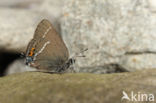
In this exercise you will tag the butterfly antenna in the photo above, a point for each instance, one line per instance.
(80, 54)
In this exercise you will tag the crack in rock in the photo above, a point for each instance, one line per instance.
(139, 52)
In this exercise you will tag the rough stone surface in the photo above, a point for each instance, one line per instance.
(110, 29)
(138, 61)
(52, 8)
(36, 87)
(152, 4)
(19, 3)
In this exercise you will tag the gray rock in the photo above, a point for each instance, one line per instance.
(54, 9)
(152, 4)
(138, 62)
(18, 66)
(17, 28)
(19, 3)
(110, 29)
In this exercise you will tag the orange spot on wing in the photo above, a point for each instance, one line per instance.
(31, 52)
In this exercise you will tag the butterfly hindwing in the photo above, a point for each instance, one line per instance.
(50, 50)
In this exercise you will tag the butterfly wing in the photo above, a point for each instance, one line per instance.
(50, 50)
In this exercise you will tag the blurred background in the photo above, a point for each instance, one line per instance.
(120, 34)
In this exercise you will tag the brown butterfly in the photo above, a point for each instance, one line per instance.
(47, 51)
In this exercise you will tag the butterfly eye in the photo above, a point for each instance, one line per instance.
(28, 60)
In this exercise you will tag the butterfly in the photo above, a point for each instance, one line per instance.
(47, 50)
